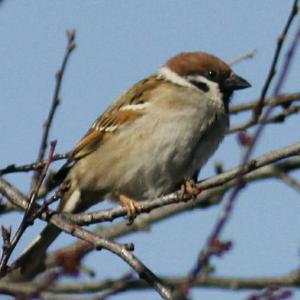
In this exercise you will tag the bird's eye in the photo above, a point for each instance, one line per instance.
(212, 74)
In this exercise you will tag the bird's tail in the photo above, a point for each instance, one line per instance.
(32, 260)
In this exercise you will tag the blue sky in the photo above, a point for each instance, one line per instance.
(119, 43)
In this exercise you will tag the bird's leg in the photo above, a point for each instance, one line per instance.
(132, 207)
(190, 188)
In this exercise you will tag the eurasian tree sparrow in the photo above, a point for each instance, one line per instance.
(155, 136)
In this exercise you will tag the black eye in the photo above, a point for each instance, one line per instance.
(212, 74)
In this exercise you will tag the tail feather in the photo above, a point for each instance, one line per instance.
(32, 259)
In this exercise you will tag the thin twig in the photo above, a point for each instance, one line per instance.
(248, 55)
(119, 286)
(271, 293)
(280, 41)
(31, 167)
(42, 176)
(289, 180)
(278, 118)
(276, 101)
(55, 102)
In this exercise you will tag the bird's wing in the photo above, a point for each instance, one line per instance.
(125, 110)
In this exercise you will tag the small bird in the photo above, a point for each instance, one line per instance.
(152, 139)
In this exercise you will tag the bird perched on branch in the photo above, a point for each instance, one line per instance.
(154, 137)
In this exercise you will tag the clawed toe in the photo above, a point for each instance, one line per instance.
(189, 188)
(133, 207)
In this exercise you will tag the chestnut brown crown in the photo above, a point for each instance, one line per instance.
(191, 64)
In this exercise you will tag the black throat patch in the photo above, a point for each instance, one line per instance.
(226, 97)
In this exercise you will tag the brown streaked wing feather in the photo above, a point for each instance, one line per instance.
(139, 93)
(87, 143)
(114, 118)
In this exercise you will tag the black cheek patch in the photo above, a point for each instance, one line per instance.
(200, 85)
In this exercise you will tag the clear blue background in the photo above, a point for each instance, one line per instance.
(119, 43)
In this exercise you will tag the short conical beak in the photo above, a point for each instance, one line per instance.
(235, 82)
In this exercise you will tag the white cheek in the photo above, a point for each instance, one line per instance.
(214, 93)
